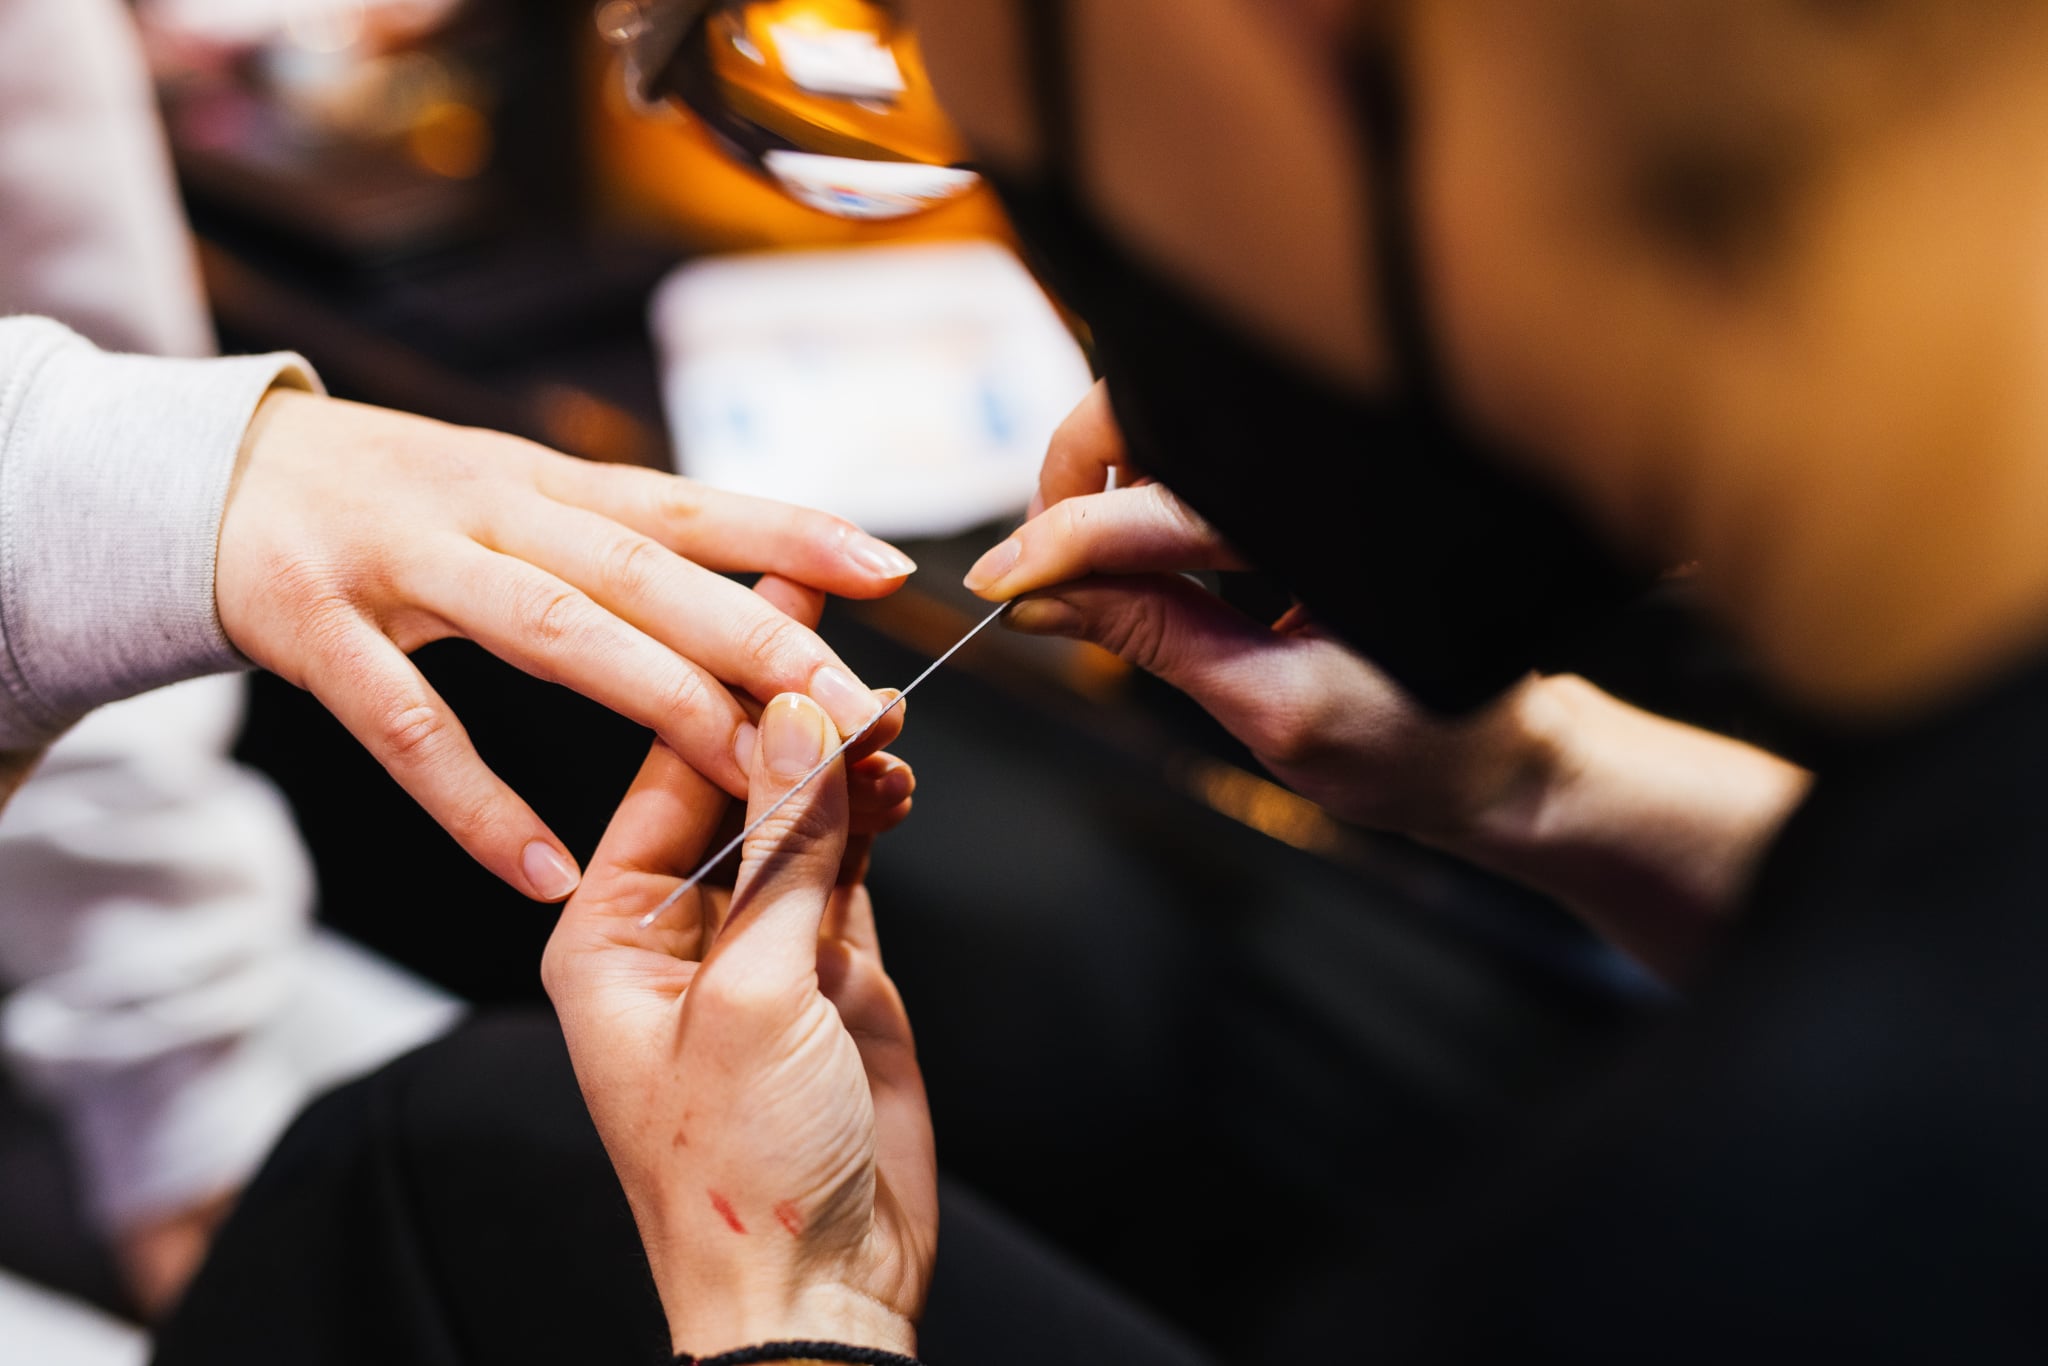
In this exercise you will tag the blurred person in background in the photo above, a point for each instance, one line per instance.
(166, 992)
(1756, 284)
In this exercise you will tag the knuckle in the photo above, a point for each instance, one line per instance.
(548, 614)
(776, 646)
(795, 841)
(630, 568)
(296, 577)
(1140, 633)
(412, 735)
(470, 819)
(680, 501)
(684, 697)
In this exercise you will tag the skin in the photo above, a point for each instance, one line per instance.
(1646, 828)
(749, 1064)
(158, 1257)
(1845, 425)
(354, 535)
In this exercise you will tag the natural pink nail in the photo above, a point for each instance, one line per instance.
(548, 871)
(879, 557)
(992, 566)
(792, 737)
(848, 704)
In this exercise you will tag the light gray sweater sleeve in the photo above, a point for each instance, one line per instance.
(114, 473)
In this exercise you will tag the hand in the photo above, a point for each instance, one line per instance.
(749, 1064)
(1108, 567)
(354, 535)
(1647, 828)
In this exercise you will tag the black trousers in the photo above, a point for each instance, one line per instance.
(457, 1209)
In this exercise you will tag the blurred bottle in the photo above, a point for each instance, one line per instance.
(778, 123)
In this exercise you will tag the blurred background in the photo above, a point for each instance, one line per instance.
(1138, 967)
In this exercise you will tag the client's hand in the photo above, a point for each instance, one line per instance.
(749, 1064)
(1108, 568)
(354, 535)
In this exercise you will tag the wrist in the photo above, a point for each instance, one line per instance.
(706, 1323)
(1520, 755)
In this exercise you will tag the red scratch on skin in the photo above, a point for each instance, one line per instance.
(786, 1215)
(725, 1212)
(681, 1140)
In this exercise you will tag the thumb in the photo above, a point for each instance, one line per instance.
(789, 866)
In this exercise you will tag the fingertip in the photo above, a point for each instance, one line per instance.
(896, 783)
(878, 558)
(795, 733)
(991, 568)
(886, 726)
(882, 781)
(848, 702)
(551, 875)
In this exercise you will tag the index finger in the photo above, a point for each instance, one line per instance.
(1143, 530)
(1087, 445)
(732, 532)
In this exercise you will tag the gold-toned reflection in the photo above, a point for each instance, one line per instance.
(798, 123)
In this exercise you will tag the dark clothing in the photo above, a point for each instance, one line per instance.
(1837, 1151)
(457, 1209)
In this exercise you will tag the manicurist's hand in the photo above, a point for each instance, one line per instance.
(1645, 827)
(354, 535)
(1108, 567)
(748, 1062)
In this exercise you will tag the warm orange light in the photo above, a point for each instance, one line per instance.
(663, 167)
(450, 139)
(909, 126)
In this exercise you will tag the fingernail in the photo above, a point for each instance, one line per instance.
(793, 737)
(894, 785)
(879, 557)
(1037, 506)
(743, 741)
(548, 871)
(1044, 617)
(848, 704)
(992, 566)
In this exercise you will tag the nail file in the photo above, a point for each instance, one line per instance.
(801, 783)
